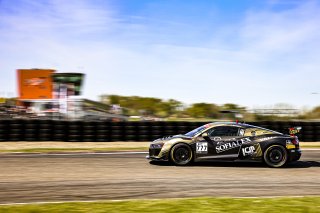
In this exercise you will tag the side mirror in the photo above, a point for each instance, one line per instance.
(206, 137)
(205, 134)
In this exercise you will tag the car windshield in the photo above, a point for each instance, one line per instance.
(196, 131)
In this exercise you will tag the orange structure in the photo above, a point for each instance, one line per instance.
(34, 84)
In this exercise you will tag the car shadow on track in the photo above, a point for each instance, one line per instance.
(293, 165)
(303, 164)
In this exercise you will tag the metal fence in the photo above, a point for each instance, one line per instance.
(89, 131)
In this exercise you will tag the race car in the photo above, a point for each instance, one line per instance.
(231, 141)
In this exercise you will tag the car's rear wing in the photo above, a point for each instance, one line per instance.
(294, 130)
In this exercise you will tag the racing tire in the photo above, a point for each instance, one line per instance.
(275, 156)
(181, 154)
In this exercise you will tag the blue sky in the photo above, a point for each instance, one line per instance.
(253, 53)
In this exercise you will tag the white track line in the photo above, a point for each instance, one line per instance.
(151, 199)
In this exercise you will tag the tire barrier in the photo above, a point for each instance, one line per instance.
(3, 130)
(89, 132)
(59, 130)
(131, 130)
(102, 131)
(45, 130)
(74, 131)
(144, 131)
(31, 131)
(16, 130)
(117, 132)
(99, 131)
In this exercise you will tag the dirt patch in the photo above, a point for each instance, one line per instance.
(71, 145)
(309, 144)
(90, 146)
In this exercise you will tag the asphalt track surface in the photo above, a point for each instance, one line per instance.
(28, 178)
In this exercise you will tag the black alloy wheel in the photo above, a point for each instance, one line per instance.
(181, 154)
(275, 156)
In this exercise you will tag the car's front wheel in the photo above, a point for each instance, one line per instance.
(181, 154)
(275, 156)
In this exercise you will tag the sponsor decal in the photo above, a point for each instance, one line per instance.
(294, 130)
(290, 146)
(34, 81)
(241, 132)
(230, 139)
(217, 139)
(265, 139)
(248, 150)
(207, 125)
(231, 145)
(219, 143)
(202, 147)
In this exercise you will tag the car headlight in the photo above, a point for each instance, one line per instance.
(156, 146)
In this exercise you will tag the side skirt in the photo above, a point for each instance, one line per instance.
(219, 156)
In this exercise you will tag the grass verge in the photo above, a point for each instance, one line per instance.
(203, 205)
(309, 145)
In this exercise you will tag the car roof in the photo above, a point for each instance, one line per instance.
(237, 124)
(230, 124)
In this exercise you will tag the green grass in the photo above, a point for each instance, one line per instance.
(201, 205)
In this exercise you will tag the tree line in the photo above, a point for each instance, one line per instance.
(156, 107)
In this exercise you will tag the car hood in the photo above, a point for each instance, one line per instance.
(167, 138)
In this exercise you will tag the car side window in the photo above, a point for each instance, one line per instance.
(224, 131)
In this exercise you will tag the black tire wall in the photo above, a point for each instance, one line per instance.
(100, 131)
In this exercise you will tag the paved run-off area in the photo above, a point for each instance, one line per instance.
(66, 177)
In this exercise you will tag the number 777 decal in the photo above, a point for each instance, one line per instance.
(202, 147)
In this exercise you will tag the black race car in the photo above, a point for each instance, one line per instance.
(228, 141)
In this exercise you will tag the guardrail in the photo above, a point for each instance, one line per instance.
(86, 131)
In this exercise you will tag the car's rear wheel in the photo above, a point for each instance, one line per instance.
(181, 154)
(275, 156)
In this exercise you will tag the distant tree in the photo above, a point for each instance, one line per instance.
(232, 111)
(114, 99)
(170, 107)
(146, 106)
(230, 106)
(149, 106)
(314, 113)
(203, 110)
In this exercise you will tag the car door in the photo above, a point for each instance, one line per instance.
(224, 142)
